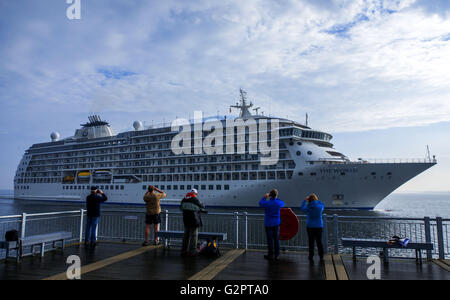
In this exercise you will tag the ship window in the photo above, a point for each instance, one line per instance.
(162, 187)
(338, 197)
(299, 143)
(189, 187)
(373, 173)
(203, 187)
(226, 187)
(291, 143)
(175, 187)
(144, 187)
(309, 152)
(117, 187)
(196, 186)
(389, 173)
(300, 173)
(298, 153)
(211, 187)
(111, 187)
(218, 187)
(343, 173)
(313, 174)
(169, 187)
(106, 187)
(182, 187)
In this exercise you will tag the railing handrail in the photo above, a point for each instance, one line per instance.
(240, 213)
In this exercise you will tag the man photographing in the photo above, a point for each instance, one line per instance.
(93, 214)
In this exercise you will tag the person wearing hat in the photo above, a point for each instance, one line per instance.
(93, 201)
(152, 200)
(191, 208)
(314, 224)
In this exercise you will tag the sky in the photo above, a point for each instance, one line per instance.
(374, 74)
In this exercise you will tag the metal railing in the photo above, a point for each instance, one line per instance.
(244, 230)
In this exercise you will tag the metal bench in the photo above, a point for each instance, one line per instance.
(35, 240)
(201, 235)
(374, 243)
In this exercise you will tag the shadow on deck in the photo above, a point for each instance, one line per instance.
(109, 261)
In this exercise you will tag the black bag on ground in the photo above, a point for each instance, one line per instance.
(211, 249)
(12, 236)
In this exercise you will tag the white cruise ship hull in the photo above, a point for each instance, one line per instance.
(344, 186)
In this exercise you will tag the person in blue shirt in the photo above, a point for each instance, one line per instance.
(272, 206)
(314, 224)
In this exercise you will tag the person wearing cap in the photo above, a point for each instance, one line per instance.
(272, 206)
(93, 201)
(314, 224)
(191, 208)
(152, 200)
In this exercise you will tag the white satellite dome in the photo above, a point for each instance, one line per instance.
(138, 125)
(54, 136)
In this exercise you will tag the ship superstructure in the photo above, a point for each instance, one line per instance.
(123, 165)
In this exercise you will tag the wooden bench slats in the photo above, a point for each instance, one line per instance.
(45, 238)
(376, 243)
(346, 242)
(34, 240)
(201, 235)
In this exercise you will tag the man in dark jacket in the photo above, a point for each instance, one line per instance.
(93, 214)
(192, 220)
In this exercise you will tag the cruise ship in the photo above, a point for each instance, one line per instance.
(123, 165)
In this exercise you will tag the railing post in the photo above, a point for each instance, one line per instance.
(440, 237)
(246, 230)
(236, 223)
(81, 224)
(23, 225)
(336, 233)
(325, 234)
(166, 227)
(428, 235)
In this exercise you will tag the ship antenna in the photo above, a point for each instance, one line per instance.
(428, 152)
(243, 106)
(306, 119)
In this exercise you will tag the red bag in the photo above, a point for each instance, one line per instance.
(289, 224)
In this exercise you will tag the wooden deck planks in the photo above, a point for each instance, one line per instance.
(217, 266)
(106, 262)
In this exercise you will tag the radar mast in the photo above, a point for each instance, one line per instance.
(243, 106)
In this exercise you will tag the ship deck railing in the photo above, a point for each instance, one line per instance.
(244, 230)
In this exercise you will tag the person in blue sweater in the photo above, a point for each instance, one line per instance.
(314, 224)
(272, 206)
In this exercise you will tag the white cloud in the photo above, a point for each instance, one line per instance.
(386, 64)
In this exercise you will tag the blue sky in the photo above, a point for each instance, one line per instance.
(373, 73)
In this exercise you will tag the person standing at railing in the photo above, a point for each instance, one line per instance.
(272, 206)
(192, 209)
(152, 200)
(93, 201)
(314, 224)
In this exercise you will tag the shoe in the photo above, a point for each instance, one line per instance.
(145, 244)
(192, 254)
(93, 245)
(269, 258)
(156, 243)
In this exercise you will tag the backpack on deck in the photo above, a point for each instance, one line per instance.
(211, 249)
(12, 236)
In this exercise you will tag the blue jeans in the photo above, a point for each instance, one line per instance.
(273, 241)
(91, 228)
